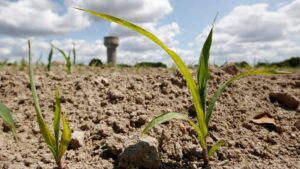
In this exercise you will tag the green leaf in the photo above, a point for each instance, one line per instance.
(177, 60)
(74, 54)
(49, 138)
(169, 116)
(215, 148)
(56, 123)
(7, 118)
(54, 152)
(203, 70)
(65, 137)
(50, 58)
(220, 90)
(67, 59)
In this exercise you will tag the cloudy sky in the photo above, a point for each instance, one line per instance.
(261, 30)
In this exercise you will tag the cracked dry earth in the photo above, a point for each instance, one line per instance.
(111, 107)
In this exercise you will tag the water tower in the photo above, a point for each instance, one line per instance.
(111, 43)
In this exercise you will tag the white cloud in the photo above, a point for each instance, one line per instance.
(34, 18)
(140, 11)
(255, 31)
(38, 18)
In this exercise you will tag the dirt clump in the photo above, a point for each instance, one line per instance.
(287, 100)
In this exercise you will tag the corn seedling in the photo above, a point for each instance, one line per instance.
(50, 58)
(67, 59)
(57, 146)
(198, 89)
(7, 118)
(74, 54)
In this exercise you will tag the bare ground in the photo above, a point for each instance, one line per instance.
(111, 107)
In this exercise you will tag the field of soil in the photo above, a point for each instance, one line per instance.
(111, 106)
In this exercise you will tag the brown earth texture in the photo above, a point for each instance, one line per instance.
(108, 108)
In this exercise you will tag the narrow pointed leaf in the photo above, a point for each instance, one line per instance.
(177, 60)
(54, 153)
(215, 148)
(169, 116)
(67, 59)
(49, 138)
(74, 54)
(56, 122)
(65, 137)
(50, 58)
(7, 118)
(220, 90)
(203, 69)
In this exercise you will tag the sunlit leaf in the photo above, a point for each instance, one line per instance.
(65, 136)
(49, 138)
(203, 69)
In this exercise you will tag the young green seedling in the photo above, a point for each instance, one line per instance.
(57, 146)
(7, 118)
(197, 89)
(74, 54)
(50, 58)
(67, 59)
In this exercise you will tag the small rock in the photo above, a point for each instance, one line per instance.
(77, 140)
(285, 99)
(143, 154)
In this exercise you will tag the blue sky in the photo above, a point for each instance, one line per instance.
(245, 29)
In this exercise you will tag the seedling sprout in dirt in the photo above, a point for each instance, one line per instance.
(57, 146)
(198, 88)
(7, 118)
(67, 59)
(50, 59)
